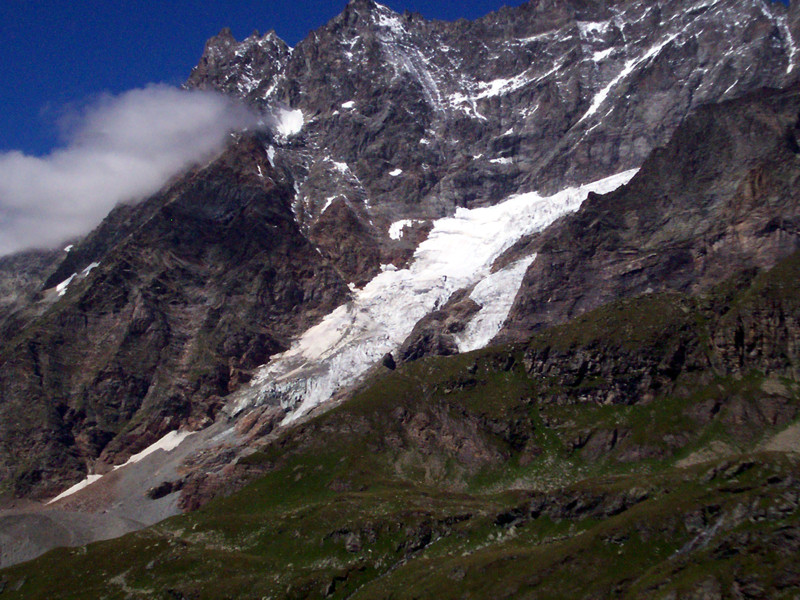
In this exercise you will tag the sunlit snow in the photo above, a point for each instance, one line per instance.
(87, 270)
(167, 443)
(629, 67)
(328, 201)
(593, 29)
(601, 55)
(457, 254)
(396, 229)
(495, 295)
(90, 479)
(290, 122)
(61, 288)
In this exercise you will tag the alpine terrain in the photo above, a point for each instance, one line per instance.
(507, 308)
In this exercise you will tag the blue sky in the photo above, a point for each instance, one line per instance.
(56, 55)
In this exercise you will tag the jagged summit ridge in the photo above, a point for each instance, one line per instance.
(533, 97)
(239, 68)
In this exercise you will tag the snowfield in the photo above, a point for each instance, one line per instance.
(458, 254)
(167, 443)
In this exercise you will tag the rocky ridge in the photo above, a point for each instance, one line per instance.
(177, 314)
(424, 119)
(719, 198)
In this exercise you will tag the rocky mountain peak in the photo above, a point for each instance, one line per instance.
(361, 5)
(238, 68)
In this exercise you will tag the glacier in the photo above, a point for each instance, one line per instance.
(458, 254)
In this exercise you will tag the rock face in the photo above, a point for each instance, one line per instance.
(176, 315)
(425, 116)
(239, 68)
(721, 197)
(378, 118)
(22, 276)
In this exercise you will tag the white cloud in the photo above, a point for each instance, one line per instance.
(122, 148)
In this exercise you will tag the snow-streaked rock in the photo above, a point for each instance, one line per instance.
(458, 253)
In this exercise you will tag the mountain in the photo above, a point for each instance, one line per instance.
(717, 199)
(608, 186)
(636, 451)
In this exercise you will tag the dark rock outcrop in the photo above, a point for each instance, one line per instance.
(720, 198)
(217, 279)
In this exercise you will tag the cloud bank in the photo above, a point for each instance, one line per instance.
(121, 149)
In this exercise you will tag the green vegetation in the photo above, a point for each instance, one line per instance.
(621, 455)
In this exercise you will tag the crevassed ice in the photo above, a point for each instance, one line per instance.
(495, 295)
(457, 254)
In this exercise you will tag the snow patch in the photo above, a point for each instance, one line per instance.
(391, 21)
(630, 65)
(601, 55)
(90, 479)
(290, 122)
(271, 156)
(502, 161)
(167, 443)
(328, 202)
(787, 32)
(396, 172)
(593, 29)
(61, 288)
(499, 87)
(68, 248)
(495, 295)
(348, 105)
(396, 228)
(536, 38)
(457, 254)
(87, 270)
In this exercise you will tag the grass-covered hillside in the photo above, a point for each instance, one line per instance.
(646, 449)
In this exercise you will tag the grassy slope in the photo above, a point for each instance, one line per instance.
(469, 477)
